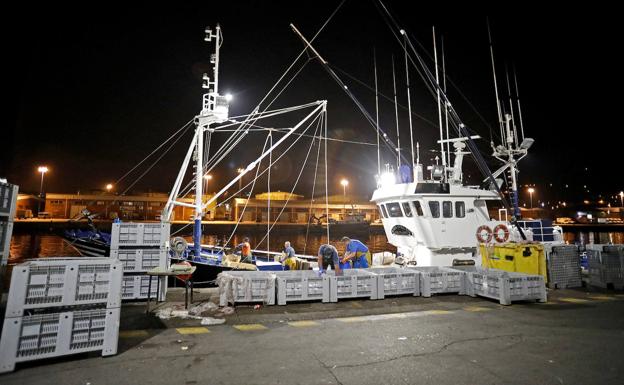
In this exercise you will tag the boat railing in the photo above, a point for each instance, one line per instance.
(540, 232)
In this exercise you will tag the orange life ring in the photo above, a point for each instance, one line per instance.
(484, 234)
(497, 233)
(184, 277)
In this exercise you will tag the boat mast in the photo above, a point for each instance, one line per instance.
(396, 117)
(446, 122)
(377, 114)
(214, 110)
(435, 56)
(409, 103)
(498, 106)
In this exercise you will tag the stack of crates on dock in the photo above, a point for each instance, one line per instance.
(246, 286)
(606, 265)
(504, 286)
(8, 198)
(396, 281)
(141, 247)
(301, 285)
(61, 306)
(436, 280)
(353, 283)
(564, 266)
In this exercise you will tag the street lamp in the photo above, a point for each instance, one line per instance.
(531, 190)
(344, 184)
(207, 178)
(622, 198)
(109, 187)
(42, 170)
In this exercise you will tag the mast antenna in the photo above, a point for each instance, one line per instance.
(409, 102)
(377, 114)
(435, 56)
(396, 116)
(498, 106)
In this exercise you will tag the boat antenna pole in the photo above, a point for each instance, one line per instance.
(396, 116)
(448, 143)
(511, 108)
(437, 78)
(518, 100)
(498, 106)
(409, 103)
(377, 113)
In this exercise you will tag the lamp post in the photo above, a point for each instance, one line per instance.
(344, 184)
(531, 190)
(109, 187)
(42, 170)
(622, 198)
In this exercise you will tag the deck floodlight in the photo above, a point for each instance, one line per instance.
(437, 172)
(387, 178)
(526, 143)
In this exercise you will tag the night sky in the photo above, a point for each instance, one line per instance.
(92, 91)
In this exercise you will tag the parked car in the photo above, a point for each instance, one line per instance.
(24, 214)
(565, 220)
(44, 215)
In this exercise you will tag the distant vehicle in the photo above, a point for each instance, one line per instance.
(24, 214)
(44, 215)
(565, 220)
(615, 221)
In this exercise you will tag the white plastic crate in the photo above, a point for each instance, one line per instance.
(396, 281)
(133, 234)
(140, 260)
(353, 283)
(246, 286)
(504, 286)
(137, 287)
(55, 334)
(436, 280)
(564, 267)
(8, 199)
(6, 230)
(301, 285)
(52, 282)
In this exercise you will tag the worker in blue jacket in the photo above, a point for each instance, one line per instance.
(356, 252)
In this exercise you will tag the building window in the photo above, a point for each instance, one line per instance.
(394, 210)
(434, 206)
(419, 210)
(407, 210)
(384, 213)
(100, 203)
(460, 209)
(447, 209)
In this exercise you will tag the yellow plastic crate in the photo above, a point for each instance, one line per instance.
(527, 258)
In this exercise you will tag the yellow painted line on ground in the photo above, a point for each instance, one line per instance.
(356, 304)
(438, 312)
(303, 324)
(601, 297)
(133, 334)
(195, 330)
(250, 327)
(352, 319)
(574, 300)
(393, 316)
(476, 308)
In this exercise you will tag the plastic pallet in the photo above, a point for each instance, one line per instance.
(564, 267)
(40, 336)
(504, 286)
(53, 282)
(301, 285)
(246, 286)
(137, 286)
(437, 280)
(139, 235)
(353, 283)
(396, 281)
(140, 260)
(6, 230)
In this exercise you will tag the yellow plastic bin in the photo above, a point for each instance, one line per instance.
(527, 258)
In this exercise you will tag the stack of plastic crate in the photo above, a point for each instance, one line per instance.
(606, 265)
(301, 285)
(8, 198)
(436, 280)
(564, 267)
(141, 247)
(353, 283)
(246, 286)
(61, 306)
(396, 281)
(504, 286)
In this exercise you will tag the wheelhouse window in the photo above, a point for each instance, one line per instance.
(394, 210)
(382, 209)
(460, 209)
(447, 209)
(419, 210)
(407, 210)
(434, 206)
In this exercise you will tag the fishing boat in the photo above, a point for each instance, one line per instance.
(90, 242)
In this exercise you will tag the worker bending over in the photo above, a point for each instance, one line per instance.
(356, 252)
(328, 256)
